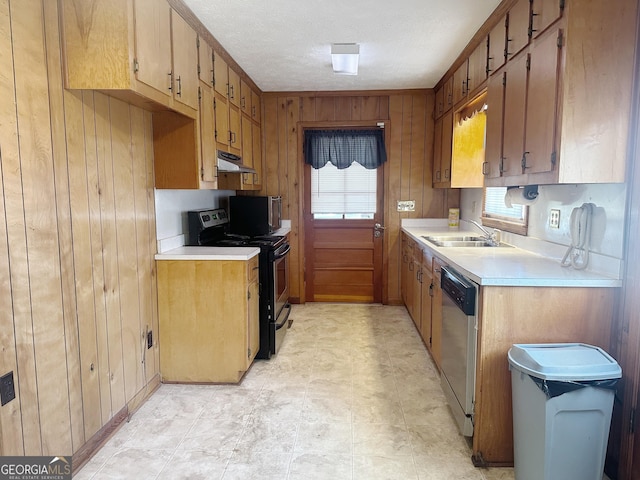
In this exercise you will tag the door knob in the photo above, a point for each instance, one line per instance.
(377, 226)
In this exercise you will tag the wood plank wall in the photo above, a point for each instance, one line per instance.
(409, 117)
(77, 238)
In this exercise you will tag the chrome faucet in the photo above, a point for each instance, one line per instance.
(492, 237)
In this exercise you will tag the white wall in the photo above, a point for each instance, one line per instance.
(608, 222)
(172, 207)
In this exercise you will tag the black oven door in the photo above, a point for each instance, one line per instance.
(281, 296)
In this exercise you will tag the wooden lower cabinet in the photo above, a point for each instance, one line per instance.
(209, 319)
(436, 313)
(509, 315)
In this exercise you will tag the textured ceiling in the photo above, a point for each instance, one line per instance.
(285, 45)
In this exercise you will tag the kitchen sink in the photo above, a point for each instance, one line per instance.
(461, 241)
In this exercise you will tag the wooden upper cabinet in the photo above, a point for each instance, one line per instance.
(152, 64)
(185, 61)
(235, 131)
(497, 46)
(205, 62)
(518, 27)
(220, 74)
(256, 109)
(222, 123)
(208, 154)
(477, 66)
(233, 90)
(448, 93)
(245, 98)
(257, 155)
(543, 14)
(492, 167)
(442, 149)
(460, 82)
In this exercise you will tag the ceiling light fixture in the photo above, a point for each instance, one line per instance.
(344, 58)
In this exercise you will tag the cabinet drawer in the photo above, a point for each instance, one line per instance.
(253, 269)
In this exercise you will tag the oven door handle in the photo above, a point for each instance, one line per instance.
(278, 255)
(286, 317)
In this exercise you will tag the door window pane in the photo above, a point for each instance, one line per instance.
(347, 193)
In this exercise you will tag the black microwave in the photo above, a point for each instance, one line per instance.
(254, 216)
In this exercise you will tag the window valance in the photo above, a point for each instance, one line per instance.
(343, 147)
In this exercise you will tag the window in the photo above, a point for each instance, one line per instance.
(496, 214)
(348, 193)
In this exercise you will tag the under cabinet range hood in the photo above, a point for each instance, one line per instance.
(228, 162)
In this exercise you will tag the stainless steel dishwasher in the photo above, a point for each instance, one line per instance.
(459, 338)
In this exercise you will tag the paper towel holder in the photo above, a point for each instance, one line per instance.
(529, 192)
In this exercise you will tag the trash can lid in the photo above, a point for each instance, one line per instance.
(564, 361)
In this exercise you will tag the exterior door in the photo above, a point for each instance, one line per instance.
(343, 256)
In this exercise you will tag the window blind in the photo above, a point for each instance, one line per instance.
(343, 193)
(494, 205)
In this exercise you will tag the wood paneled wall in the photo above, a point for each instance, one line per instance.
(77, 237)
(407, 115)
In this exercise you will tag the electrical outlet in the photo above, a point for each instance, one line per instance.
(7, 388)
(554, 218)
(406, 205)
(149, 339)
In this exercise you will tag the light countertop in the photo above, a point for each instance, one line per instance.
(209, 253)
(507, 266)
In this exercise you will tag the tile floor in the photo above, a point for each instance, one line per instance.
(353, 394)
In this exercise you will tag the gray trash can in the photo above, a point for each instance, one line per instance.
(562, 402)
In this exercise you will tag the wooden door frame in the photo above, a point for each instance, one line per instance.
(306, 187)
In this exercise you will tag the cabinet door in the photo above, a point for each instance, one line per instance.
(220, 74)
(544, 67)
(247, 145)
(436, 313)
(514, 114)
(439, 106)
(234, 88)
(208, 154)
(235, 131)
(185, 61)
(222, 122)
(245, 98)
(437, 151)
(205, 62)
(447, 145)
(153, 43)
(492, 167)
(404, 270)
(497, 46)
(426, 301)
(448, 94)
(417, 286)
(257, 154)
(543, 14)
(460, 79)
(253, 322)
(256, 110)
(477, 66)
(518, 27)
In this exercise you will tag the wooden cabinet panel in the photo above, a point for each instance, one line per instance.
(185, 61)
(543, 14)
(235, 131)
(544, 66)
(256, 109)
(460, 79)
(437, 152)
(447, 145)
(436, 313)
(448, 94)
(245, 98)
(208, 154)
(222, 122)
(439, 104)
(207, 335)
(233, 90)
(426, 297)
(253, 322)
(514, 115)
(153, 44)
(247, 145)
(477, 66)
(518, 27)
(256, 136)
(220, 75)
(205, 62)
(417, 286)
(492, 167)
(497, 46)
